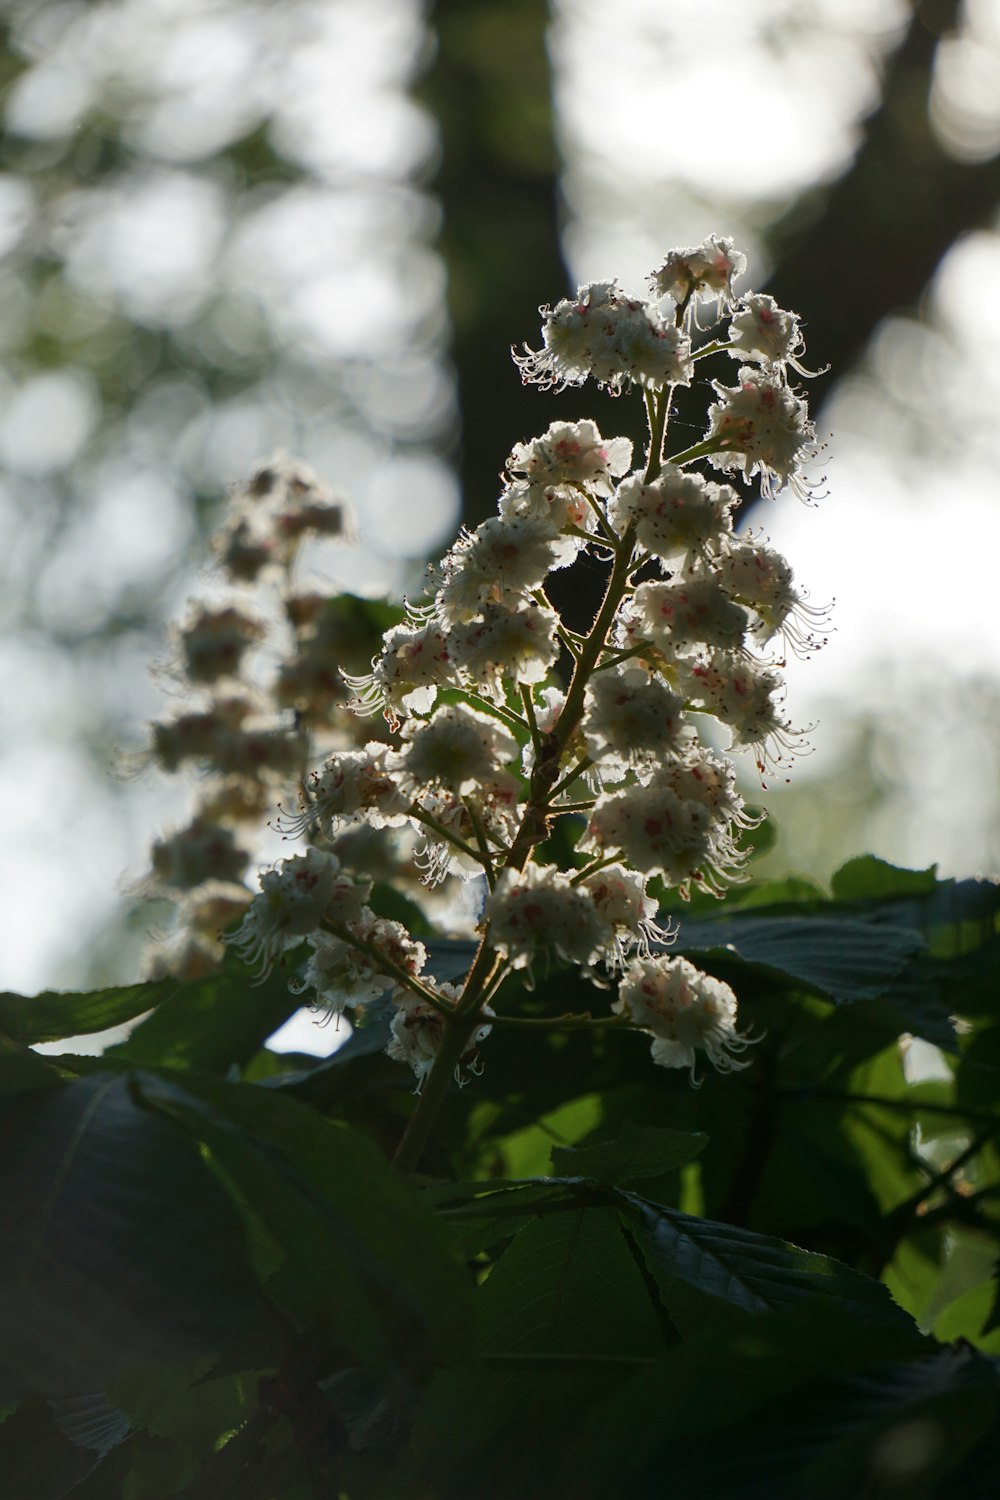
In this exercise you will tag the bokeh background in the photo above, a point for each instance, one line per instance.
(232, 226)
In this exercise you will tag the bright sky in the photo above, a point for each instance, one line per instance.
(905, 539)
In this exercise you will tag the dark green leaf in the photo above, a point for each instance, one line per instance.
(840, 957)
(22, 1070)
(37, 1462)
(53, 1015)
(116, 1246)
(717, 1381)
(752, 1272)
(639, 1151)
(213, 1023)
(356, 1238)
(893, 1428)
(867, 877)
(564, 1317)
(182, 1403)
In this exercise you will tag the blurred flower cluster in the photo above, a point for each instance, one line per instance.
(574, 776)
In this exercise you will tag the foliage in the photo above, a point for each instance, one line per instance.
(216, 1284)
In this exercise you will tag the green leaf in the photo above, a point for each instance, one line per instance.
(22, 1070)
(117, 1248)
(639, 1151)
(912, 1427)
(971, 1317)
(182, 1403)
(214, 1023)
(54, 1015)
(715, 1382)
(752, 1272)
(866, 877)
(840, 957)
(564, 1317)
(37, 1461)
(358, 1241)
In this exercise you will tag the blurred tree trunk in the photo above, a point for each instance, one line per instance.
(497, 184)
(849, 256)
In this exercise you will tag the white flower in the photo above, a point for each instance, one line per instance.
(562, 506)
(204, 850)
(630, 719)
(760, 577)
(744, 696)
(762, 428)
(700, 272)
(656, 831)
(295, 898)
(456, 749)
(678, 516)
(506, 645)
(537, 913)
(685, 1011)
(417, 1030)
(610, 336)
(621, 901)
(503, 559)
(763, 332)
(696, 611)
(352, 784)
(341, 975)
(496, 803)
(572, 453)
(214, 641)
(405, 677)
(703, 776)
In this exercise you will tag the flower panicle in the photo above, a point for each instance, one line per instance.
(465, 732)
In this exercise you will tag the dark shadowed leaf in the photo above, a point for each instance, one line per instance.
(37, 1461)
(213, 1023)
(53, 1015)
(117, 1247)
(564, 1318)
(356, 1239)
(894, 1428)
(639, 1151)
(839, 957)
(22, 1070)
(752, 1272)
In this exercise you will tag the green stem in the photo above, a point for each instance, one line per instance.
(571, 775)
(498, 710)
(420, 815)
(454, 1043)
(700, 450)
(485, 853)
(657, 410)
(462, 1022)
(529, 714)
(593, 867)
(620, 656)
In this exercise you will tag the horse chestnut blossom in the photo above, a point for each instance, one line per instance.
(560, 771)
(684, 1011)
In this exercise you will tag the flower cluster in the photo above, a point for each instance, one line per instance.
(498, 719)
(260, 663)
